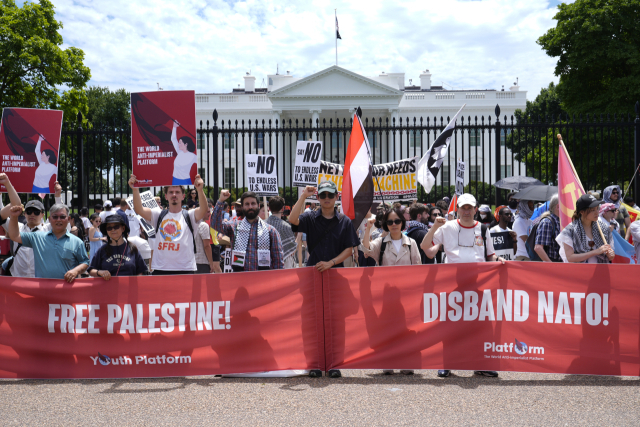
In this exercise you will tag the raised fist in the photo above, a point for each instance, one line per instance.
(199, 183)
(224, 195)
(309, 191)
(132, 181)
(440, 221)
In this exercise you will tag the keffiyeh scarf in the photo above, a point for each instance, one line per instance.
(523, 209)
(576, 232)
(243, 231)
(286, 235)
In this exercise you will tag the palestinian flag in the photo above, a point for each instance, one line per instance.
(430, 164)
(357, 184)
(453, 206)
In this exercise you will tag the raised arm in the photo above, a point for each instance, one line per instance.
(174, 137)
(137, 201)
(217, 217)
(14, 228)
(201, 212)
(427, 242)
(297, 209)
(38, 152)
(13, 195)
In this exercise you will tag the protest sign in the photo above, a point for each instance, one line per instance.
(307, 165)
(146, 326)
(227, 261)
(148, 201)
(30, 148)
(392, 182)
(521, 317)
(262, 175)
(460, 178)
(163, 138)
(503, 245)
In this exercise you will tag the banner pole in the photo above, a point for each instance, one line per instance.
(630, 182)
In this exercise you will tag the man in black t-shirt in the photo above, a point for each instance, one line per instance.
(331, 239)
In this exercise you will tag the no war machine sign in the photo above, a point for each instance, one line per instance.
(262, 174)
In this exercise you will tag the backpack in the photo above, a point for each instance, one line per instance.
(187, 219)
(530, 244)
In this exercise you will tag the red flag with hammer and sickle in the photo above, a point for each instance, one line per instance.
(569, 187)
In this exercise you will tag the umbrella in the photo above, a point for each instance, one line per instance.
(536, 192)
(517, 183)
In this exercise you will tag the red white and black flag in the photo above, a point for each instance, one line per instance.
(430, 164)
(357, 185)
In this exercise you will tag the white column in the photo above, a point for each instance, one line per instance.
(315, 117)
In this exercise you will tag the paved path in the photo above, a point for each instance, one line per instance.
(359, 398)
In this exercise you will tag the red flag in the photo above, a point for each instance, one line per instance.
(357, 187)
(453, 206)
(569, 187)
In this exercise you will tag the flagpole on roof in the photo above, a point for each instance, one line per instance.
(335, 11)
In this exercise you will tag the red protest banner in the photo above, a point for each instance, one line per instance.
(159, 326)
(526, 317)
(30, 147)
(163, 137)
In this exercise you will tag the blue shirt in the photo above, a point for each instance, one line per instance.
(53, 257)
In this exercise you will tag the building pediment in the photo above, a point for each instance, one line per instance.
(335, 83)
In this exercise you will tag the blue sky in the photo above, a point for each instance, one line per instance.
(209, 45)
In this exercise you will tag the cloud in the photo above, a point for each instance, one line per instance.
(208, 45)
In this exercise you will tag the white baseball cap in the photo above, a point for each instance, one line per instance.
(467, 199)
(107, 203)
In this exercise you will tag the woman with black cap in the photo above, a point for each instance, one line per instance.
(581, 241)
(118, 257)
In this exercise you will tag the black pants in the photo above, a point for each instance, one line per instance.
(171, 272)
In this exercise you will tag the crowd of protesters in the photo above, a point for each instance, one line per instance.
(194, 234)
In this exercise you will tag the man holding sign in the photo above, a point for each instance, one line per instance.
(174, 251)
(255, 244)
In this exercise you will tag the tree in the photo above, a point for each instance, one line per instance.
(597, 43)
(33, 67)
(106, 108)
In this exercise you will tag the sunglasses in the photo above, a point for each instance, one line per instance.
(32, 211)
(614, 192)
(507, 214)
(113, 227)
(436, 214)
(325, 194)
(58, 217)
(394, 221)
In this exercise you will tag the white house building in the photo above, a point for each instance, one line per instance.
(332, 95)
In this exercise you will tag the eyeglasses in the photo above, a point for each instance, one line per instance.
(461, 245)
(325, 194)
(394, 221)
(58, 217)
(32, 211)
(113, 227)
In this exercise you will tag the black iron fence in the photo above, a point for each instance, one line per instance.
(95, 163)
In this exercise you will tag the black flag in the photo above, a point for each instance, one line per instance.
(337, 30)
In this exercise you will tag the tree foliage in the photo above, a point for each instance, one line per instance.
(33, 66)
(597, 43)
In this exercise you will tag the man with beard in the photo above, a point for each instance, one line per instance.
(255, 244)
(174, 248)
(417, 228)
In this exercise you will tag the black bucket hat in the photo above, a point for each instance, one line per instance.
(113, 219)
